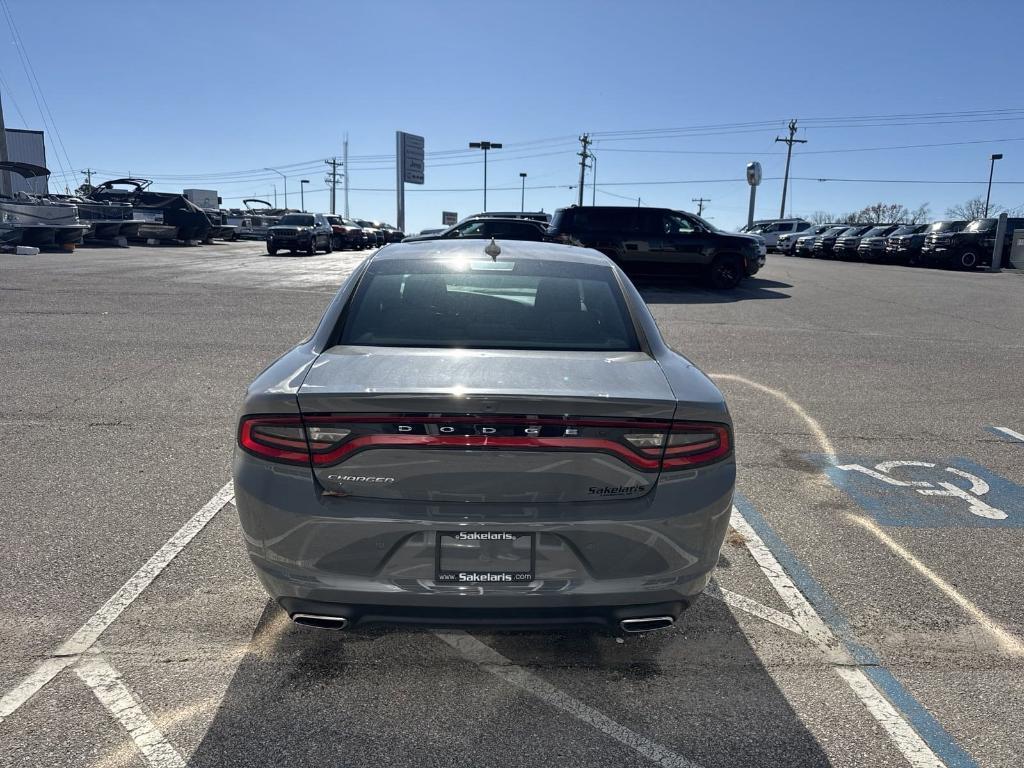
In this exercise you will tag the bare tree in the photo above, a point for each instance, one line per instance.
(920, 215)
(821, 217)
(973, 209)
(884, 213)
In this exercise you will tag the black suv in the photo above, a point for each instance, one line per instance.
(659, 240)
(906, 248)
(307, 232)
(503, 229)
(873, 244)
(825, 244)
(848, 242)
(970, 247)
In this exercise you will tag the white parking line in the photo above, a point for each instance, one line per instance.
(1007, 642)
(803, 614)
(754, 608)
(69, 651)
(105, 681)
(901, 733)
(1010, 433)
(502, 667)
(819, 433)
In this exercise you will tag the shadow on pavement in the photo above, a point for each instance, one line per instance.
(397, 697)
(668, 290)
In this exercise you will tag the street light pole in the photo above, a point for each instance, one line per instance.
(302, 193)
(991, 168)
(485, 146)
(522, 198)
(285, 183)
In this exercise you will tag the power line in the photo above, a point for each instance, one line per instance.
(700, 204)
(31, 74)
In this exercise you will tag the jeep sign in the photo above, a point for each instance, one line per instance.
(753, 173)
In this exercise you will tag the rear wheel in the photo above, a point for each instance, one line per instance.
(968, 260)
(726, 271)
(330, 244)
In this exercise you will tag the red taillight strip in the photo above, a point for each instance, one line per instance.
(346, 449)
(260, 447)
(698, 454)
(344, 418)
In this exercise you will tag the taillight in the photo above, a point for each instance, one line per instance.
(277, 438)
(692, 444)
(326, 440)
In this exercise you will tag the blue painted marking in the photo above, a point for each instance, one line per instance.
(928, 728)
(1003, 435)
(897, 506)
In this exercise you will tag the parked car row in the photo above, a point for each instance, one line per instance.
(640, 240)
(310, 232)
(949, 243)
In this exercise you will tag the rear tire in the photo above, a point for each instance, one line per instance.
(968, 260)
(726, 271)
(330, 244)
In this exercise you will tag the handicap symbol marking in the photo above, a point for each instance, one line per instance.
(951, 493)
(978, 486)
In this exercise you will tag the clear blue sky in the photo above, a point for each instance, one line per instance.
(192, 93)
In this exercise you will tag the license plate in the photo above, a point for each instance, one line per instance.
(485, 557)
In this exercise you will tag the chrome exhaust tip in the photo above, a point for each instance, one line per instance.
(318, 621)
(646, 624)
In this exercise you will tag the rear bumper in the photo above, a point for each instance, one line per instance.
(374, 560)
(528, 617)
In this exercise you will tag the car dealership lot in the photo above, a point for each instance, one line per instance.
(882, 625)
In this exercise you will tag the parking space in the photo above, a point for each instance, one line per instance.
(866, 609)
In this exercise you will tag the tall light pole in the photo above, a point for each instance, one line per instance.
(302, 193)
(991, 168)
(522, 197)
(285, 183)
(486, 146)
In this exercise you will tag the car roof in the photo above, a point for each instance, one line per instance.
(510, 249)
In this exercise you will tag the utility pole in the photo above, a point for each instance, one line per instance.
(344, 164)
(593, 180)
(584, 156)
(332, 179)
(88, 177)
(700, 204)
(5, 176)
(522, 198)
(789, 153)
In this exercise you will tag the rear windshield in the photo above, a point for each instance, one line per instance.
(297, 219)
(526, 304)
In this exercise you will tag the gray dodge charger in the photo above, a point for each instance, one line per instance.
(485, 434)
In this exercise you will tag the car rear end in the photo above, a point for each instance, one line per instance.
(467, 441)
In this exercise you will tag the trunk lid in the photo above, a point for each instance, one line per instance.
(485, 426)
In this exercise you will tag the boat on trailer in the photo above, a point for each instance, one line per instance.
(28, 219)
(252, 223)
(158, 215)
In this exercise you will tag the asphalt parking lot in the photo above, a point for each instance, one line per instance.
(866, 611)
